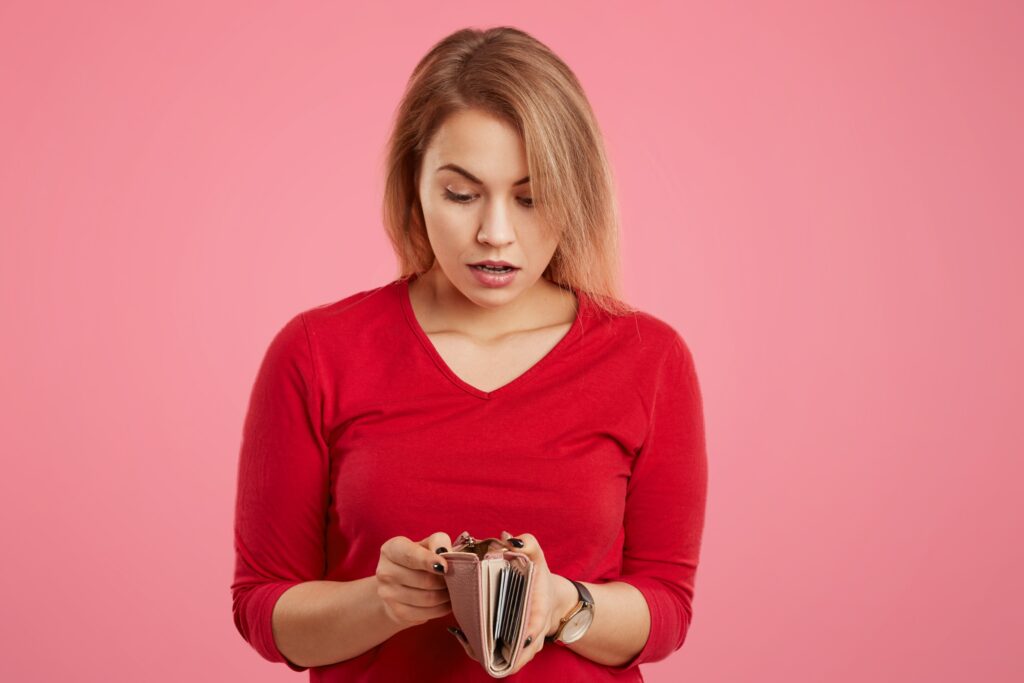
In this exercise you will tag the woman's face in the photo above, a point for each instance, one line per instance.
(475, 193)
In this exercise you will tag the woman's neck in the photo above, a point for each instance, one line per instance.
(441, 306)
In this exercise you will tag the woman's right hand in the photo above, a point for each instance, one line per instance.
(412, 589)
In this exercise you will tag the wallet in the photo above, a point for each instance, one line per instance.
(489, 586)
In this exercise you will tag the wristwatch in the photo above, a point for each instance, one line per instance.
(577, 621)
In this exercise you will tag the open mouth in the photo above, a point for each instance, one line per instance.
(495, 269)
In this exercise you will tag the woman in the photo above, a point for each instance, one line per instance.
(497, 384)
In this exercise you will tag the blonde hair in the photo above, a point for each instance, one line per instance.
(508, 74)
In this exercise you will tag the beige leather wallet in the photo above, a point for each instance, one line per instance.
(490, 589)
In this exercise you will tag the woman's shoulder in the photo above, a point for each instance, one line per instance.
(357, 315)
(361, 304)
(654, 348)
(363, 313)
(648, 333)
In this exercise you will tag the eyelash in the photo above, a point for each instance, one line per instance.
(464, 199)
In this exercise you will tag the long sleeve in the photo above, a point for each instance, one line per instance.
(282, 495)
(665, 503)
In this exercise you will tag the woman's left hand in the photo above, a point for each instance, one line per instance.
(545, 607)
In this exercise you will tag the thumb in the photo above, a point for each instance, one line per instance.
(461, 637)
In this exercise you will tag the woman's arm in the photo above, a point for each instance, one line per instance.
(322, 622)
(644, 614)
(282, 603)
(663, 525)
(665, 507)
(281, 503)
(621, 623)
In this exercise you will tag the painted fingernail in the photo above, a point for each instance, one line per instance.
(529, 639)
(516, 542)
(440, 550)
(439, 567)
(457, 633)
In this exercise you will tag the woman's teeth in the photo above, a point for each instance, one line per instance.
(494, 269)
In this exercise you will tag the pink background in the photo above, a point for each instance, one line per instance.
(824, 198)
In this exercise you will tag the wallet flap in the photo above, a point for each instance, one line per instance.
(464, 590)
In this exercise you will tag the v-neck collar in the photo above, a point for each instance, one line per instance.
(402, 290)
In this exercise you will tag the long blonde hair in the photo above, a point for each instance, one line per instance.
(508, 74)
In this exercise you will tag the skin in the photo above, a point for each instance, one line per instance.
(495, 221)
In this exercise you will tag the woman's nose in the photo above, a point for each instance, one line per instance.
(497, 227)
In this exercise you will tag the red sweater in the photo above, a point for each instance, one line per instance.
(358, 431)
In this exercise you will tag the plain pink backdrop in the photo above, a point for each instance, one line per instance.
(823, 197)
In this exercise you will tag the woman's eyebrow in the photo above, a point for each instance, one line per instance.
(470, 176)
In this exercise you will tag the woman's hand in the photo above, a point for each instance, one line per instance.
(409, 583)
(546, 606)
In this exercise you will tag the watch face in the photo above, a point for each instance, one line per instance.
(577, 626)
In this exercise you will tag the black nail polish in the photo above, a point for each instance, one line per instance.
(439, 567)
(516, 542)
(529, 639)
(440, 550)
(457, 632)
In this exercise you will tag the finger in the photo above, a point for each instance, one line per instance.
(414, 578)
(536, 623)
(526, 653)
(435, 544)
(535, 629)
(405, 553)
(438, 542)
(527, 544)
(416, 597)
(463, 640)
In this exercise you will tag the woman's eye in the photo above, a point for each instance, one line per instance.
(458, 198)
(467, 198)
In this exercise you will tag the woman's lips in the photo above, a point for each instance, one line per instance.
(491, 279)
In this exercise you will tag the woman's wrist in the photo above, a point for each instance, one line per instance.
(566, 597)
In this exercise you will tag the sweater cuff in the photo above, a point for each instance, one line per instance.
(255, 621)
(659, 643)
